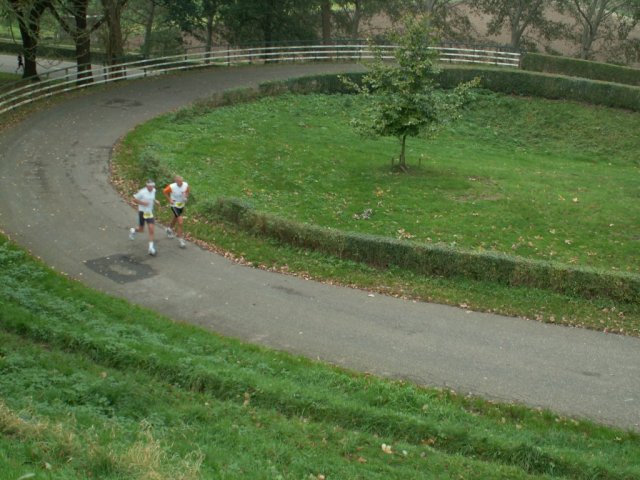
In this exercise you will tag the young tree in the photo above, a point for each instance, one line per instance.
(404, 98)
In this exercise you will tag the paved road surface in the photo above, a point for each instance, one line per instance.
(9, 64)
(56, 200)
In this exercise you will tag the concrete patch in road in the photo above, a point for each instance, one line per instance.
(121, 268)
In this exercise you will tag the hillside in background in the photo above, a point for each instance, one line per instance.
(605, 51)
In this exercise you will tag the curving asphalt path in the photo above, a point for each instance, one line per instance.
(56, 201)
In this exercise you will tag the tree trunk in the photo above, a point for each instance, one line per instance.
(590, 19)
(355, 21)
(210, 10)
(209, 39)
(585, 44)
(267, 26)
(402, 161)
(516, 29)
(29, 24)
(82, 40)
(29, 46)
(115, 47)
(326, 22)
(148, 30)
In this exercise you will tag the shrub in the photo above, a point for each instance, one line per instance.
(519, 82)
(574, 67)
(151, 167)
(383, 252)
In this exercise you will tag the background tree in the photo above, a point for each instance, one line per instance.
(518, 17)
(326, 19)
(72, 15)
(269, 22)
(149, 17)
(195, 17)
(446, 17)
(403, 99)
(161, 24)
(143, 16)
(28, 15)
(597, 19)
(349, 14)
(112, 17)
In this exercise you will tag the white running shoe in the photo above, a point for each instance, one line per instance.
(132, 233)
(152, 250)
(169, 233)
(183, 244)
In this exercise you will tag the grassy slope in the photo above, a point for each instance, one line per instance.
(541, 179)
(546, 180)
(94, 387)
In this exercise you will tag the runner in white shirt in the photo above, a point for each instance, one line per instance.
(177, 194)
(146, 200)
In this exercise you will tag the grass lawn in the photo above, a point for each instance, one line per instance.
(6, 78)
(540, 179)
(94, 387)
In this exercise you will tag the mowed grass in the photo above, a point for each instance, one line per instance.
(540, 179)
(7, 78)
(93, 387)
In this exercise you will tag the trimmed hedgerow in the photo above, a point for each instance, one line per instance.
(574, 67)
(432, 260)
(542, 85)
(508, 81)
(327, 83)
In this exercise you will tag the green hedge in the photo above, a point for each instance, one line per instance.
(508, 81)
(432, 260)
(543, 85)
(574, 67)
(327, 83)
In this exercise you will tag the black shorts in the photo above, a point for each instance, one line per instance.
(177, 211)
(142, 220)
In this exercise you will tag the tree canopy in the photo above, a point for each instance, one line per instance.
(604, 29)
(518, 17)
